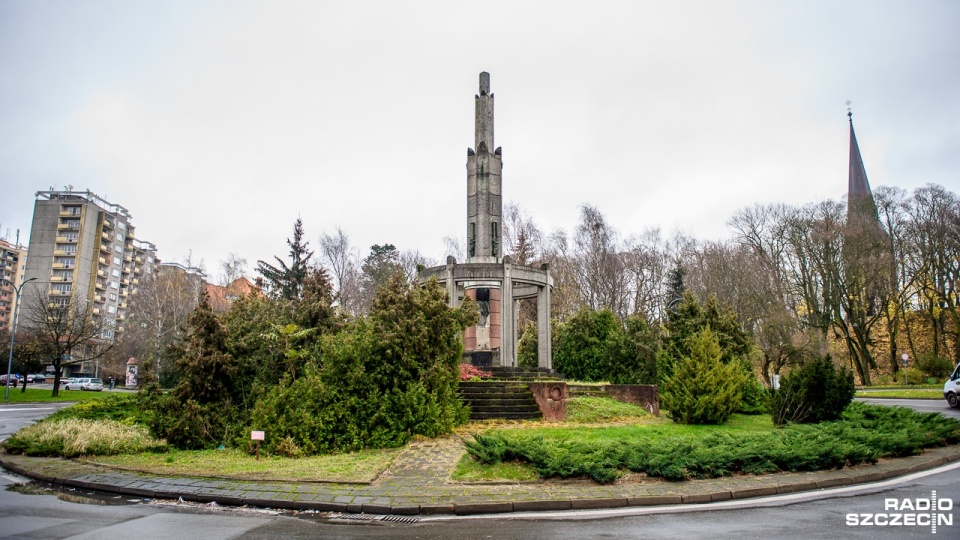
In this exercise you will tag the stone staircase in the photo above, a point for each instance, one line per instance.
(505, 395)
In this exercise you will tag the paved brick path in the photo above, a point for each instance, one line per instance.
(418, 483)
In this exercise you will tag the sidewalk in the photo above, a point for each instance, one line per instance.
(418, 483)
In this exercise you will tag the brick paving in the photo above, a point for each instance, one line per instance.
(418, 482)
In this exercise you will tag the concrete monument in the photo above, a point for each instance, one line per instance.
(487, 276)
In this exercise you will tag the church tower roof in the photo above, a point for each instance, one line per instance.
(859, 195)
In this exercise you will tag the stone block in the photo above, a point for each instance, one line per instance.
(551, 399)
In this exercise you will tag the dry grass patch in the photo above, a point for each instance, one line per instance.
(73, 437)
(353, 467)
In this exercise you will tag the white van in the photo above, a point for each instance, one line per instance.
(951, 388)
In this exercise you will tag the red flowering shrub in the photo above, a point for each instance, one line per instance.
(469, 371)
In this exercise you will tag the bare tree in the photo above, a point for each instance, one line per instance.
(934, 262)
(232, 268)
(522, 239)
(455, 247)
(70, 329)
(343, 263)
(411, 261)
(160, 310)
(598, 267)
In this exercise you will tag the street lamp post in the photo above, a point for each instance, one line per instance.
(13, 335)
(906, 358)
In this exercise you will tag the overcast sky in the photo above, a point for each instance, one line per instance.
(218, 123)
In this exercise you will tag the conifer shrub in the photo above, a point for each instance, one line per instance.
(527, 353)
(594, 346)
(385, 378)
(865, 434)
(935, 366)
(816, 392)
(701, 389)
(755, 398)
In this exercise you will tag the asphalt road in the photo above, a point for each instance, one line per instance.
(31, 510)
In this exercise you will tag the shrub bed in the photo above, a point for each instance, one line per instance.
(865, 434)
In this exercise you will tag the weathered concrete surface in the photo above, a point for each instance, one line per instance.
(551, 398)
(644, 395)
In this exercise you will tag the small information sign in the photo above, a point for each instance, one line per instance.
(256, 435)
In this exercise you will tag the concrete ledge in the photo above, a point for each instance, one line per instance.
(721, 496)
(376, 508)
(698, 498)
(435, 509)
(654, 500)
(325, 506)
(271, 503)
(753, 492)
(799, 486)
(541, 506)
(867, 478)
(211, 497)
(355, 508)
(588, 504)
(834, 482)
(404, 510)
(482, 508)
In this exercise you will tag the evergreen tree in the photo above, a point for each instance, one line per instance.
(702, 389)
(287, 281)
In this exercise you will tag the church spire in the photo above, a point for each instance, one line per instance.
(859, 196)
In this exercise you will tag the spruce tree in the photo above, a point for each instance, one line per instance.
(287, 281)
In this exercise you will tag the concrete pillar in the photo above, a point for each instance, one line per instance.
(544, 347)
(508, 333)
(452, 299)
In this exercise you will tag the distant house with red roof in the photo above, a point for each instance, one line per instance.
(221, 298)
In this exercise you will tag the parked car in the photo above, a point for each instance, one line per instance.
(66, 384)
(38, 378)
(13, 379)
(951, 388)
(85, 383)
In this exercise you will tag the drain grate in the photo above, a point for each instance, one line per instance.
(377, 517)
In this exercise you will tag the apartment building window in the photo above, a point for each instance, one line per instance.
(116, 261)
(64, 275)
(63, 288)
(119, 237)
(68, 248)
(72, 236)
(115, 273)
(111, 309)
(72, 223)
(72, 210)
(67, 262)
(114, 285)
(118, 248)
(113, 297)
(61, 302)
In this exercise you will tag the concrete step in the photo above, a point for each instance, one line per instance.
(499, 399)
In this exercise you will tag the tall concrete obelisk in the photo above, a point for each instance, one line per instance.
(484, 195)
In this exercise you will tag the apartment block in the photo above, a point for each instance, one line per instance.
(85, 247)
(12, 263)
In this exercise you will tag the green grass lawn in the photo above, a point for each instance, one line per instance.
(911, 393)
(361, 466)
(38, 395)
